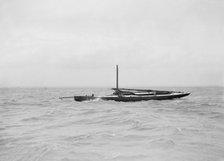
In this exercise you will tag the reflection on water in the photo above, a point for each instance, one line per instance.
(37, 126)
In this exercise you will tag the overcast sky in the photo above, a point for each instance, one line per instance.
(79, 42)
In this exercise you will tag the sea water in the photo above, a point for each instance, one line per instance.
(35, 125)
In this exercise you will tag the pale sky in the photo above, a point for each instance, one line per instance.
(79, 42)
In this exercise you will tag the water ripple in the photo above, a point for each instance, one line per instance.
(37, 126)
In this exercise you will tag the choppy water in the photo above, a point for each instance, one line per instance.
(37, 126)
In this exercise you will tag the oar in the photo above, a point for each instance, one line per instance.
(66, 97)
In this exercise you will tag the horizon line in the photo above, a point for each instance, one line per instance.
(91, 86)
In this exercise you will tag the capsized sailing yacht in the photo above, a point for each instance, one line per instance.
(131, 95)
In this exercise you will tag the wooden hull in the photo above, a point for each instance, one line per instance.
(132, 98)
